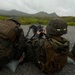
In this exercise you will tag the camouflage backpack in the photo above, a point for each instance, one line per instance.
(56, 55)
(47, 54)
(8, 35)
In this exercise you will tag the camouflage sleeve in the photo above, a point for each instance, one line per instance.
(21, 41)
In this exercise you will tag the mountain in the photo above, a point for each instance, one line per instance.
(53, 15)
(41, 14)
(12, 13)
(20, 13)
(45, 14)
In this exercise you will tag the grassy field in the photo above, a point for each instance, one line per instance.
(31, 20)
(37, 20)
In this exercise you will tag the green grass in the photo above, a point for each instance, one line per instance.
(71, 23)
(37, 20)
(3, 18)
(26, 21)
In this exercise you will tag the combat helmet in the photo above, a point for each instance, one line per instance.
(56, 26)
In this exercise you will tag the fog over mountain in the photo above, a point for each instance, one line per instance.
(61, 7)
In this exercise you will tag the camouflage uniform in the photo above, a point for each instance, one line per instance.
(56, 47)
(47, 53)
(11, 41)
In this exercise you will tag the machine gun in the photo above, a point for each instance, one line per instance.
(38, 31)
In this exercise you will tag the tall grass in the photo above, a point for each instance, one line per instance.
(24, 20)
(37, 20)
(71, 23)
(3, 17)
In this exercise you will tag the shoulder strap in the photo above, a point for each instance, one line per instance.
(59, 46)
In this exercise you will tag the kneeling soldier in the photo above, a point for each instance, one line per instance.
(12, 42)
(50, 53)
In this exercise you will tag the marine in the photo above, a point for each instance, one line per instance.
(12, 42)
(46, 48)
(47, 53)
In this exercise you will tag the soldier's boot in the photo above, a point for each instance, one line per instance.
(12, 65)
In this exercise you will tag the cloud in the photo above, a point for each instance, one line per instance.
(61, 7)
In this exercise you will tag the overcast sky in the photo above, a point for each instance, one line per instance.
(61, 7)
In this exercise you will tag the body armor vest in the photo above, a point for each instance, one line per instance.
(51, 54)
